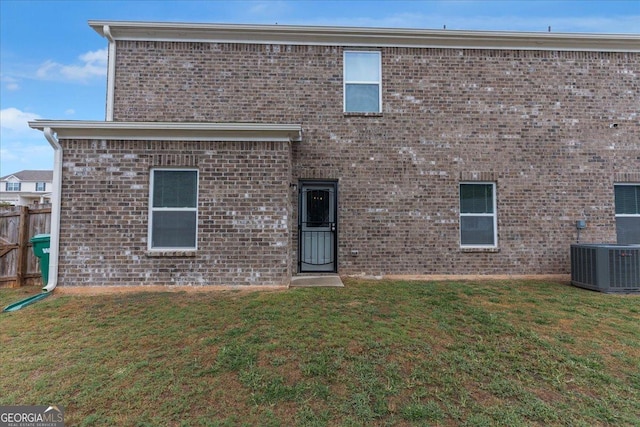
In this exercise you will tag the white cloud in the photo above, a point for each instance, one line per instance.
(267, 7)
(7, 156)
(10, 83)
(92, 64)
(97, 56)
(25, 154)
(69, 112)
(16, 120)
(269, 11)
(20, 146)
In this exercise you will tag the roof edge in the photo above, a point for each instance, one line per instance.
(30, 175)
(364, 36)
(167, 131)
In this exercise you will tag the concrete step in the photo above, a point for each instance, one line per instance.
(318, 281)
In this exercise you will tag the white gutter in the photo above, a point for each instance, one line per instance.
(54, 248)
(111, 72)
(365, 37)
(171, 131)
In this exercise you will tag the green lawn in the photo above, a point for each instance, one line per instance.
(373, 353)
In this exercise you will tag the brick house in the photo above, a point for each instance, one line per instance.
(247, 154)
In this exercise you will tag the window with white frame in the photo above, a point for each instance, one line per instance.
(41, 186)
(627, 200)
(478, 220)
(173, 216)
(13, 186)
(362, 82)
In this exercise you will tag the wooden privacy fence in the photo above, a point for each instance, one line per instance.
(18, 224)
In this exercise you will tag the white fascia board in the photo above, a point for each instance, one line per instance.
(366, 37)
(171, 131)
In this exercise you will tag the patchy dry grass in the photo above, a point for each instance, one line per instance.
(373, 353)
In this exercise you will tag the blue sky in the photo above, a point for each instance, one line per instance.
(53, 65)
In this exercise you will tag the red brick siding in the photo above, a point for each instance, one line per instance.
(243, 213)
(534, 122)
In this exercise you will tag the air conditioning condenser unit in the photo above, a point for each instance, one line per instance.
(606, 267)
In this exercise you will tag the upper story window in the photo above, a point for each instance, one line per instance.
(362, 82)
(174, 209)
(478, 220)
(627, 200)
(41, 186)
(13, 186)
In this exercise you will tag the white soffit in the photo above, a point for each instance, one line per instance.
(365, 37)
(170, 131)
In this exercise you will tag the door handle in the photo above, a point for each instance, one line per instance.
(333, 226)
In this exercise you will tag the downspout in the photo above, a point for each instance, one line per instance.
(111, 72)
(56, 198)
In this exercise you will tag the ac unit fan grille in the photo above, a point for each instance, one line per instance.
(624, 268)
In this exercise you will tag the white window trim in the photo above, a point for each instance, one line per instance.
(44, 186)
(150, 247)
(345, 82)
(635, 216)
(494, 215)
(620, 184)
(12, 184)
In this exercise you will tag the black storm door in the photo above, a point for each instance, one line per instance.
(317, 226)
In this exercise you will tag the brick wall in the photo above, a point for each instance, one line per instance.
(243, 213)
(534, 122)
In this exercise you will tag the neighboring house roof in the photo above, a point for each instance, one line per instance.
(356, 36)
(31, 175)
